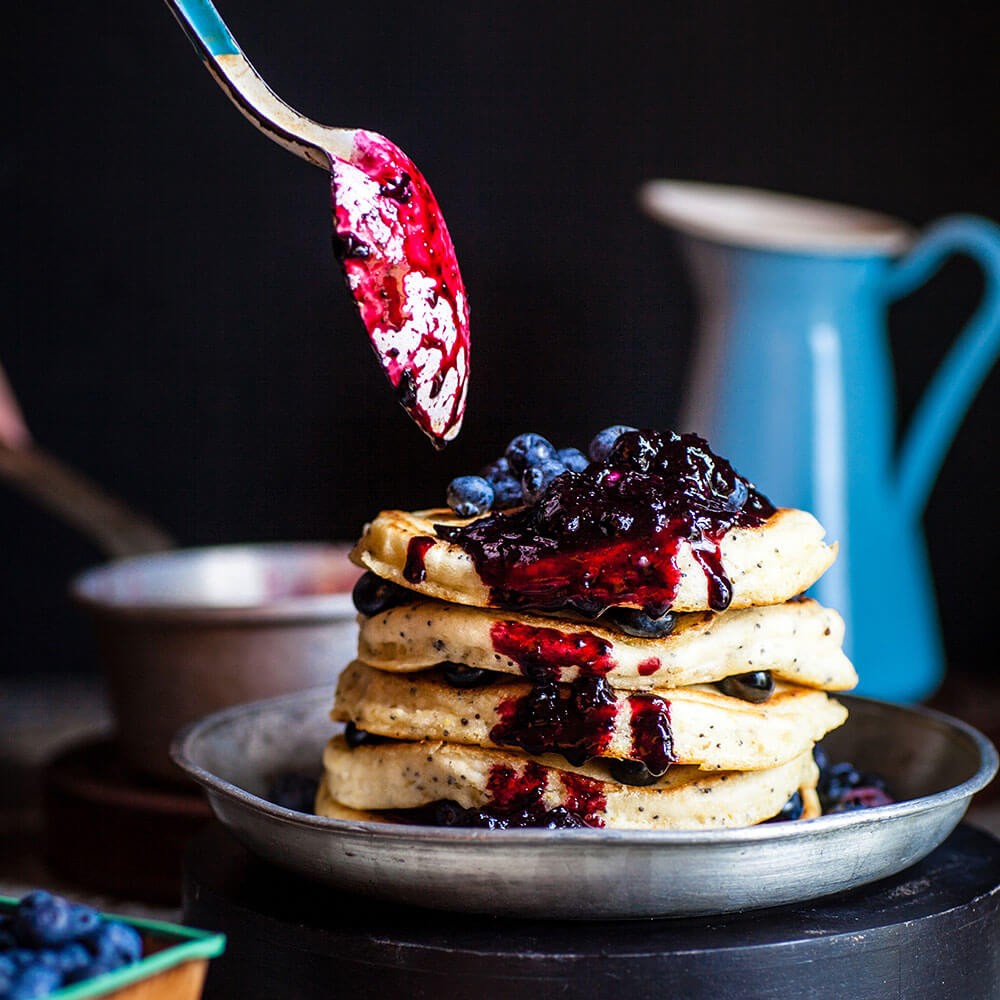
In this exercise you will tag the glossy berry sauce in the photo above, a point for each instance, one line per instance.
(652, 737)
(649, 666)
(517, 801)
(399, 261)
(610, 535)
(414, 570)
(576, 720)
(543, 653)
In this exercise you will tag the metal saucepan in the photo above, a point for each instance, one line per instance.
(183, 633)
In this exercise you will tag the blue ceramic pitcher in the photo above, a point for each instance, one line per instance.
(792, 380)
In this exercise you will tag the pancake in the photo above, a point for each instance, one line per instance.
(399, 776)
(331, 809)
(709, 730)
(765, 565)
(798, 641)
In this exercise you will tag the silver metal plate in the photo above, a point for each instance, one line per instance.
(933, 764)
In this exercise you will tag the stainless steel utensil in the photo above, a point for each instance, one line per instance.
(933, 763)
(392, 241)
(245, 87)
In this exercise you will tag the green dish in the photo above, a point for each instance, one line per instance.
(169, 945)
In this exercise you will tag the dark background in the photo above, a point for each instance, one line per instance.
(176, 328)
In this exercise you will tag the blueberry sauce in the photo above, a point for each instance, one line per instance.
(649, 666)
(517, 802)
(543, 653)
(652, 737)
(414, 570)
(862, 797)
(585, 798)
(399, 261)
(349, 247)
(447, 812)
(576, 720)
(610, 535)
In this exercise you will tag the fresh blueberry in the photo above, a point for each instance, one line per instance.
(372, 594)
(84, 919)
(738, 497)
(460, 676)
(635, 621)
(36, 897)
(842, 786)
(589, 607)
(41, 920)
(836, 780)
(294, 791)
(602, 443)
(639, 450)
(71, 957)
(573, 459)
(18, 958)
(48, 957)
(447, 812)
(527, 450)
(356, 737)
(114, 942)
(495, 471)
(507, 493)
(756, 686)
(632, 772)
(34, 981)
(791, 810)
(469, 496)
(536, 478)
(560, 818)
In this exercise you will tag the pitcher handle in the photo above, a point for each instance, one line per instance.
(966, 365)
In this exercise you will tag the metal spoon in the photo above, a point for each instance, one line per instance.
(391, 239)
(244, 86)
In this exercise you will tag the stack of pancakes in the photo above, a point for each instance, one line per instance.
(462, 712)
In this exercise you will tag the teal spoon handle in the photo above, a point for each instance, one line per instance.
(245, 87)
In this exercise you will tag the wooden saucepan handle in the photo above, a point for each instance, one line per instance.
(83, 505)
